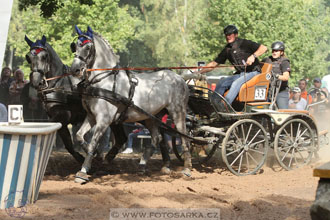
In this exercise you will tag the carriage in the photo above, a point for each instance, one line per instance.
(247, 130)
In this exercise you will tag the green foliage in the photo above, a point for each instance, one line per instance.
(47, 7)
(168, 28)
(302, 26)
(105, 17)
(180, 32)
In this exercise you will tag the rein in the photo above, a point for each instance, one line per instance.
(161, 68)
(139, 69)
(145, 68)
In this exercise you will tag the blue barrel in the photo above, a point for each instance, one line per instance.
(24, 153)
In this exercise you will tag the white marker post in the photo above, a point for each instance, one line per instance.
(15, 114)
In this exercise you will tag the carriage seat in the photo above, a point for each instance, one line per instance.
(256, 89)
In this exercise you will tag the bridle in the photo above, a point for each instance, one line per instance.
(90, 59)
(34, 51)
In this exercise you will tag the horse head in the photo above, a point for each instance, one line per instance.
(84, 50)
(38, 58)
(91, 50)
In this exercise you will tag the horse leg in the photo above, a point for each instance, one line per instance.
(103, 144)
(57, 114)
(165, 155)
(120, 140)
(156, 140)
(179, 119)
(81, 176)
(84, 128)
(66, 138)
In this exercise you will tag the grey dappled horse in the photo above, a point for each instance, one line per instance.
(62, 107)
(155, 92)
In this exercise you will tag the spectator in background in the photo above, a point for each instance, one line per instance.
(3, 113)
(297, 102)
(16, 87)
(303, 88)
(317, 87)
(33, 110)
(4, 85)
(141, 130)
(326, 82)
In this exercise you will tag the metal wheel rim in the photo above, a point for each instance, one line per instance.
(300, 147)
(250, 150)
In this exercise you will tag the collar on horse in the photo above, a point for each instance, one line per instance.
(57, 94)
(85, 88)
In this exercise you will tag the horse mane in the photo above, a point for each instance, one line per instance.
(56, 62)
(117, 57)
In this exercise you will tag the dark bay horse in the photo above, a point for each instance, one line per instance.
(155, 93)
(61, 103)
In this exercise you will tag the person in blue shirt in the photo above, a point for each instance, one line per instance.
(3, 113)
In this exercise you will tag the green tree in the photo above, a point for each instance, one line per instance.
(105, 17)
(302, 25)
(168, 28)
(47, 7)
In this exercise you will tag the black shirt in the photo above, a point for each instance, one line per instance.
(280, 65)
(237, 51)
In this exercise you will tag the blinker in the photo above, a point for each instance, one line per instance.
(73, 47)
(27, 58)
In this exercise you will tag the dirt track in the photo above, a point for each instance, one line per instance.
(271, 194)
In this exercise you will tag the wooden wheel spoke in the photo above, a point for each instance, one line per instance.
(254, 137)
(298, 133)
(247, 135)
(291, 157)
(243, 133)
(252, 158)
(235, 134)
(260, 152)
(284, 148)
(286, 153)
(240, 163)
(298, 151)
(239, 155)
(233, 152)
(288, 135)
(247, 160)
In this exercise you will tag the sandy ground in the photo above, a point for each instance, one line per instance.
(271, 194)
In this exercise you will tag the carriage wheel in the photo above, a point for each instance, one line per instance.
(199, 153)
(294, 144)
(245, 147)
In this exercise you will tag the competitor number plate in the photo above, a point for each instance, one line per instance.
(260, 93)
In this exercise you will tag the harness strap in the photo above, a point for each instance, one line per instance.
(116, 98)
(133, 81)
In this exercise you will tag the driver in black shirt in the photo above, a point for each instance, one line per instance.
(243, 55)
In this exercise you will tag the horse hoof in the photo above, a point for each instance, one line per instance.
(81, 178)
(110, 157)
(165, 170)
(142, 170)
(186, 172)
